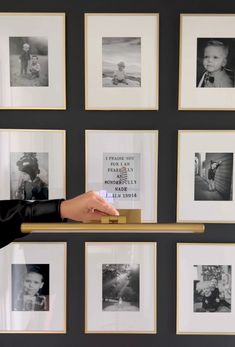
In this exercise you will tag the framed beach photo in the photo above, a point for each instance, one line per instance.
(32, 165)
(120, 287)
(205, 288)
(121, 165)
(207, 62)
(32, 61)
(121, 61)
(206, 176)
(33, 287)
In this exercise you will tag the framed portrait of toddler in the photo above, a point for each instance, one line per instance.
(121, 61)
(207, 62)
(205, 289)
(33, 287)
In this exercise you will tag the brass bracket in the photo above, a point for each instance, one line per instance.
(125, 217)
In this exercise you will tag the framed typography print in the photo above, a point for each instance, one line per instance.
(205, 288)
(121, 165)
(207, 68)
(206, 176)
(32, 164)
(33, 287)
(121, 61)
(32, 61)
(120, 287)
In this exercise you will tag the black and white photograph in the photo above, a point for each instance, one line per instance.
(121, 287)
(212, 288)
(213, 177)
(29, 175)
(121, 62)
(30, 287)
(28, 61)
(216, 62)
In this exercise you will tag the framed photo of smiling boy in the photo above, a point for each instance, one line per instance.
(121, 165)
(33, 287)
(207, 56)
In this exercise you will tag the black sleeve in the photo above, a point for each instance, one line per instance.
(15, 212)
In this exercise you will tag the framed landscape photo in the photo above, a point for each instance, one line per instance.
(32, 164)
(205, 189)
(121, 165)
(120, 287)
(32, 61)
(121, 61)
(33, 287)
(205, 288)
(207, 62)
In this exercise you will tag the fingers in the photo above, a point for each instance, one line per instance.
(100, 205)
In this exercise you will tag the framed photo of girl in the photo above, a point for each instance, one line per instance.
(207, 62)
(33, 164)
(121, 165)
(33, 61)
(120, 288)
(205, 289)
(205, 190)
(121, 61)
(33, 287)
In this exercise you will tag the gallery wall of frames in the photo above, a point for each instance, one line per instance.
(136, 101)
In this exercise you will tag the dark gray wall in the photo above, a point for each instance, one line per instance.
(75, 120)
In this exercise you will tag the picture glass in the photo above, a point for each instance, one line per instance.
(33, 164)
(121, 61)
(206, 176)
(205, 288)
(120, 295)
(207, 56)
(33, 287)
(121, 166)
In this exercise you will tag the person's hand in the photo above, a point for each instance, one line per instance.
(86, 207)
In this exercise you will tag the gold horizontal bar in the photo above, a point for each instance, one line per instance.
(108, 228)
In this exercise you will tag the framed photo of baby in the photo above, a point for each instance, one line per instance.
(205, 288)
(206, 176)
(121, 57)
(207, 62)
(33, 61)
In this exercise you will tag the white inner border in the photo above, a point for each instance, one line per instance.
(189, 143)
(144, 142)
(188, 321)
(122, 25)
(144, 254)
(195, 26)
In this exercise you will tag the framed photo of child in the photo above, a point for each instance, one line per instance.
(120, 287)
(33, 61)
(33, 164)
(121, 61)
(33, 287)
(207, 62)
(121, 165)
(205, 289)
(205, 191)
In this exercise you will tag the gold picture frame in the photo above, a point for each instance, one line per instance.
(118, 28)
(33, 65)
(100, 172)
(200, 199)
(207, 266)
(98, 263)
(33, 164)
(202, 86)
(30, 306)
